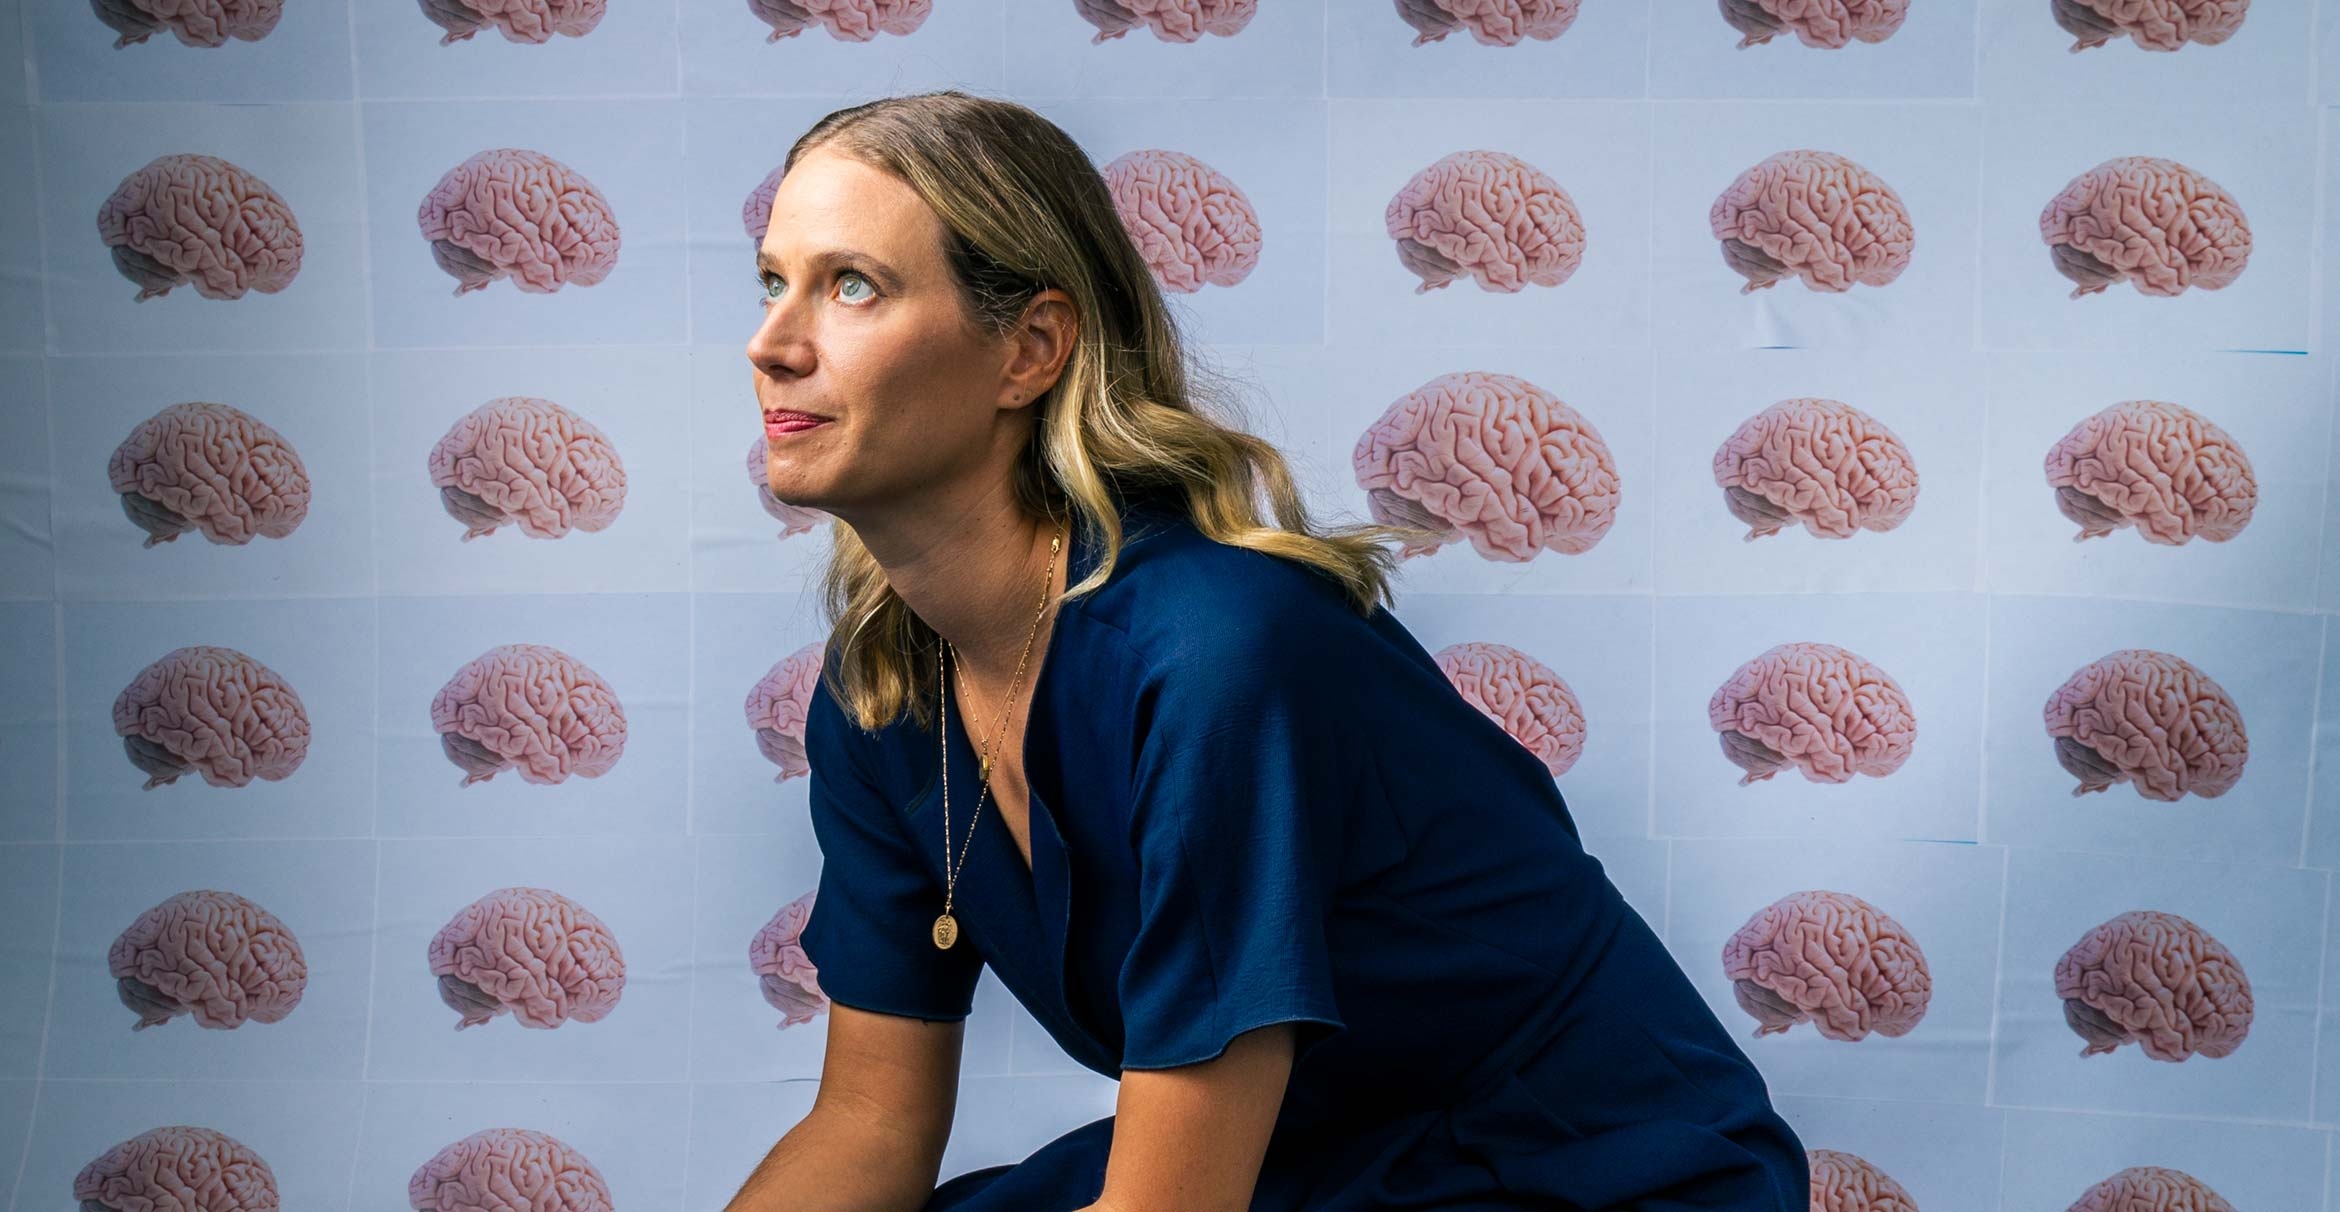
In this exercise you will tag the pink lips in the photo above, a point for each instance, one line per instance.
(781, 424)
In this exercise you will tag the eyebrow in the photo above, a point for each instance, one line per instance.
(883, 272)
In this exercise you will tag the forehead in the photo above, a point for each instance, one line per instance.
(828, 201)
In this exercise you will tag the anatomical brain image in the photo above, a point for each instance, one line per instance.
(1191, 223)
(2156, 980)
(508, 1168)
(195, 220)
(199, 23)
(2149, 719)
(1170, 20)
(212, 954)
(1489, 216)
(1814, 216)
(776, 707)
(843, 20)
(2154, 25)
(213, 711)
(784, 974)
(2153, 223)
(1830, 959)
(530, 708)
(211, 468)
(1491, 458)
(793, 519)
(1521, 693)
(178, 1167)
(2159, 467)
(1818, 463)
(520, 460)
(1491, 22)
(755, 214)
(1848, 1182)
(513, 213)
(516, 20)
(529, 952)
(2156, 1187)
(1824, 710)
(1820, 24)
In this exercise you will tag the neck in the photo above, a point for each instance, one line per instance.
(974, 576)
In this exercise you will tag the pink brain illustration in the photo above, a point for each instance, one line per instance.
(1170, 20)
(1818, 463)
(2154, 223)
(755, 214)
(1489, 215)
(199, 23)
(513, 213)
(1814, 216)
(2156, 980)
(514, 1169)
(528, 21)
(2159, 467)
(530, 708)
(1820, 24)
(2154, 25)
(845, 20)
(1521, 693)
(212, 954)
(793, 519)
(1192, 225)
(2149, 719)
(531, 952)
(2156, 1188)
(177, 1168)
(1491, 22)
(1492, 458)
(213, 468)
(1823, 709)
(200, 221)
(784, 974)
(1848, 1182)
(776, 709)
(527, 461)
(213, 711)
(1830, 959)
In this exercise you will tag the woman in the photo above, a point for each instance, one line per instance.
(1210, 813)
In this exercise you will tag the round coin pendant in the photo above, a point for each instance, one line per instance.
(946, 931)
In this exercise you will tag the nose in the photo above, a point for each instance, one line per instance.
(780, 346)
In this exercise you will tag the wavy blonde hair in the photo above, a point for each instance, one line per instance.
(1023, 209)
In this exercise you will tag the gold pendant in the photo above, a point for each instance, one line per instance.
(983, 771)
(946, 931)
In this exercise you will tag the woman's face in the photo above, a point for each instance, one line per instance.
(863, 326)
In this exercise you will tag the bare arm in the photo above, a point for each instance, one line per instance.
(1191, 1139)
(873, 1141)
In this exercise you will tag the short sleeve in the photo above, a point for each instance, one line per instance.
(1236, 825)
(870, 935)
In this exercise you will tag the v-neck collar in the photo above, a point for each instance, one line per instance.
(1018, 917)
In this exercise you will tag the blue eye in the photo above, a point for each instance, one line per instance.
(771, 282)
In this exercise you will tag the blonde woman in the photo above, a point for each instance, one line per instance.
(1165, 764)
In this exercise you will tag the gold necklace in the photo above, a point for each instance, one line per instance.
(946, 927)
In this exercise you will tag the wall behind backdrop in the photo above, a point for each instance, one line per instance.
(1884, 460)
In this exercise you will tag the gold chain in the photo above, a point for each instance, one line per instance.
(946, 927)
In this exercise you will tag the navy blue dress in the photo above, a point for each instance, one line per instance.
(1249, 805)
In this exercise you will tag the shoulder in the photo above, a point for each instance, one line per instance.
(1186, 604)
(830, 734)
(1180, 595)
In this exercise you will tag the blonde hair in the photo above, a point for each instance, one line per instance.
(1023, 209)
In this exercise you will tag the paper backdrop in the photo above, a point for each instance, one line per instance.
(1883, 449)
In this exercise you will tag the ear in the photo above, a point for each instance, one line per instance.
(1043, 342)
